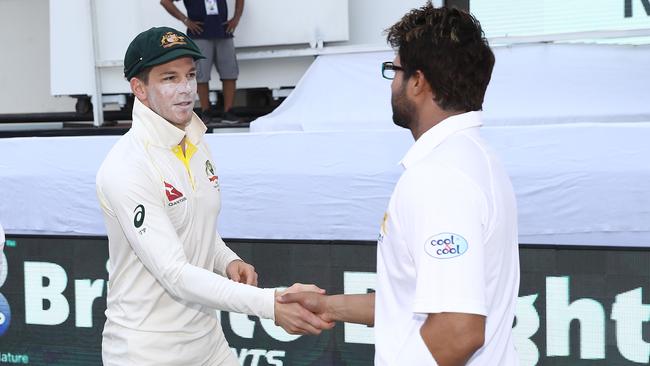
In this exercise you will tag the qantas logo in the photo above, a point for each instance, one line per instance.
(173, 195)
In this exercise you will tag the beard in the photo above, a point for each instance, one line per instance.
(403, 109)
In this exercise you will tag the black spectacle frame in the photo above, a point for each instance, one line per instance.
(388, 70)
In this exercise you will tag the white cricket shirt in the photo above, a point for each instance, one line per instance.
(448, 243)
(160, 208)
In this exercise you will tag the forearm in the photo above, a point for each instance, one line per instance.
(197, 285)
(239, 8)
(173, 10)
(452, 338)
(353, 308)
(224, 255)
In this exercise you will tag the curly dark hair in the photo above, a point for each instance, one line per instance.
(449, 47)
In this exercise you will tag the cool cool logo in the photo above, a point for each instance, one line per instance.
(446, 245)
(5, 311)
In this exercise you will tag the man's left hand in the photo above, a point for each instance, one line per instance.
(231, 25)
(242, 272)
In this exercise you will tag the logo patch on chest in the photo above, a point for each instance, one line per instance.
(383, 230)
(209, 172)
(174, 196)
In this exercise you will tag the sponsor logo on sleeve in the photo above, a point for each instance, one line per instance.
(446, 245)
(138, 219)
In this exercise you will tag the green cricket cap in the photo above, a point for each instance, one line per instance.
(157, 46)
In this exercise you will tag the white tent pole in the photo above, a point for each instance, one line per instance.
(98, 105)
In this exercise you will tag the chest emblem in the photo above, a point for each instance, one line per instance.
(209, 172)
(174, 196)
(383, 230)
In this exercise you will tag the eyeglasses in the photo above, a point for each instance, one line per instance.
(388, 70)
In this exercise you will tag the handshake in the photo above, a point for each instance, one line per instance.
(303, 309)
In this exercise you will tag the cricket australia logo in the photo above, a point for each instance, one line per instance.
(170, 39)
(383, 230)
(209, 171)
(5, 311)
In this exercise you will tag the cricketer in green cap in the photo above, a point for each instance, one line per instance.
(157, 46)
(159, 65)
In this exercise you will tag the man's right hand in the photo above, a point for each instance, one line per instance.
(294, 317)
(312, 301)
(194, 27)
(351, 308)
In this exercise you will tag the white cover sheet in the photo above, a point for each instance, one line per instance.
(577, 183)
(338, 92)
(586, 184)
(531, 84)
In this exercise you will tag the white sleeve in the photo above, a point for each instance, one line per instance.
(443, 214)
(137, 201)
(224, 256)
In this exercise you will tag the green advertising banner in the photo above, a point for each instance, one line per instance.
(576, 306)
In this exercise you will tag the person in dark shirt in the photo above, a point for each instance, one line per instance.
(209, 27)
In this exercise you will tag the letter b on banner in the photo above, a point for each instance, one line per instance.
(36, 292)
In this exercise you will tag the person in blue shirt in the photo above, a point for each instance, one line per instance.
(209, 27)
